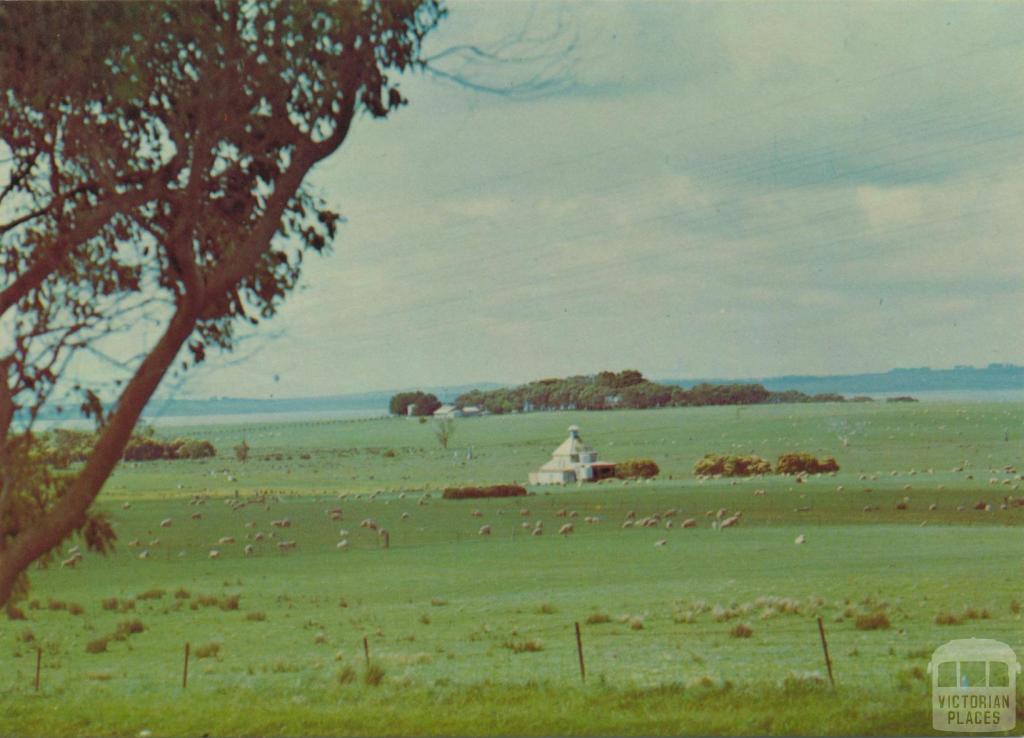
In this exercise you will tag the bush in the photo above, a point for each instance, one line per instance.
(741, 630)
(374, 675)
(872, 621)
(527, 646)
(208, 651)
(498, 490)
(801, 463)
(97, 646)
(15, 613)
(636, 468)
(242, 451)
(151, 594)
(597, 618)
(731, 466)
(192, 449)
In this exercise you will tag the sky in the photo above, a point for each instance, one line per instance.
(726, 190)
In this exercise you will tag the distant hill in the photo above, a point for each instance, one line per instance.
(960, 378)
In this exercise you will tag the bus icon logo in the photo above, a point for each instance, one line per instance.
(974, 686)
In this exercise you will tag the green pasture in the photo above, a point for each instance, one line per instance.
(475, 634)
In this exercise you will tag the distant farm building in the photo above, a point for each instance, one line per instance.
(573, 461)
(451, 411)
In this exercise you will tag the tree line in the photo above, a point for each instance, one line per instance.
(627, 389)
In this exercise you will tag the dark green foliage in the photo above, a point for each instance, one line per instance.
(636, 468)
(498, 490)
(731, 466)
(901, 398)
(422, 403)
(797, 463)
(627, 389)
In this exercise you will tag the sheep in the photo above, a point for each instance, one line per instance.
(660, 542)
(573, 514)
(668, 525)
(477, 514)
(341, 545)
(525, 525)
(800, 539)
(627, 524)
(369, 523)
(70, 563)
(730, 522)
(154, 543)
(250, 524)
(524, 512)
(405, 516)
(485, 530)
(144, 554)
(758, 493)
(126, 506)
(933, 507)
(196, 516)
(134, 543)
(336, 515)
(257, 536)
(689, 523)
(560, 513)
(249, 549)
(226, 540)
(566, 529)
(538, 532)
(214, 554)
(286, 545)
(631, 515)
(871, 508)
(166, 523)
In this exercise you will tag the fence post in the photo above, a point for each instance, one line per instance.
(184, 676)
(366, 650)
(579, 650)
(39, 664)
(824, 646)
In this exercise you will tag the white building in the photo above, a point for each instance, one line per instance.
(447, 411)
(573, 461)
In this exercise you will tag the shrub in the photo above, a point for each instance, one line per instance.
(731, 466)
(521, 646)
(258, 616)
(15, 613)
(27, 636)
(498, 490)
(151, 594)
(797, 463)
(182, 594)
(546, 608)
(56, 605)
(373, 675)
(230, 602)
(190, 448)
(75, 609)
(741, 630)
(128, 627)
(948, 618)
(597, 618)
(242, 451)
(208, 650)
(109, 603)
(872, 621)
(97, 646)
(637, 468)
(347, 675)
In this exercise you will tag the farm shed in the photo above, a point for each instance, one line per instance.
(573, 461)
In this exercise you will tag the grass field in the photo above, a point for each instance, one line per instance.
(474, 635)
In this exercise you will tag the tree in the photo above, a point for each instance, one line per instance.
(152, 164)
(422, 403)
(242, 451)
(444, 430)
